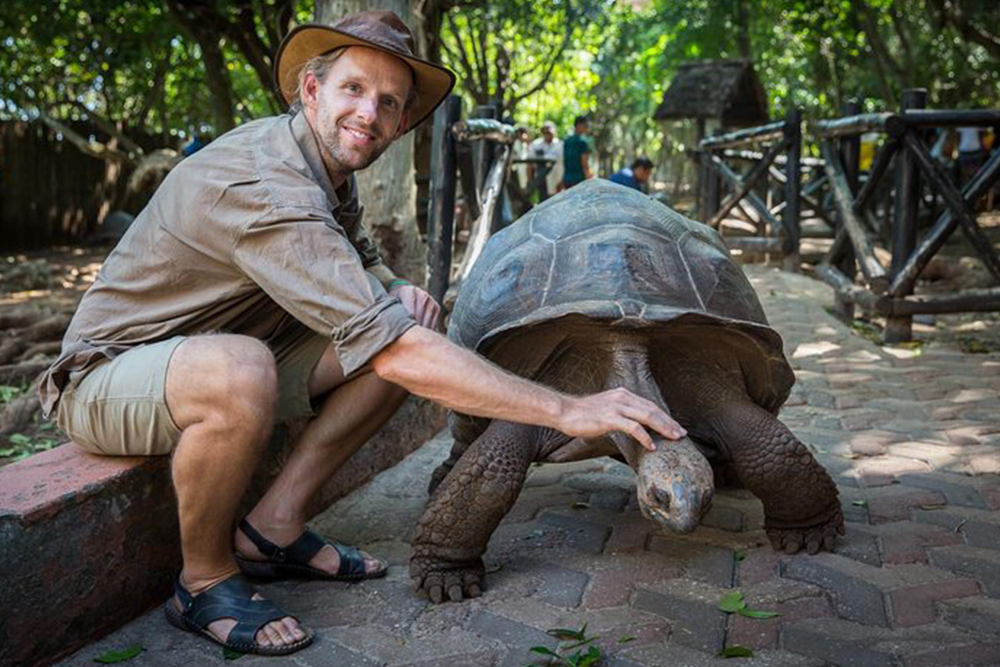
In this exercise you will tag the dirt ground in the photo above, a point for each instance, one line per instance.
(40, 290)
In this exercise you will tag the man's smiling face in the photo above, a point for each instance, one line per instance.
(357, 111)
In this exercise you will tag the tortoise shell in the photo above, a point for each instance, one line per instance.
(616, 256)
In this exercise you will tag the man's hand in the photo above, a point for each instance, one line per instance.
(617, 410)
(421, 305)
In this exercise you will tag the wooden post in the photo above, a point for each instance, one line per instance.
(793, 185)
(850, 152)
(904, 232)
(701, 169)
(441, 214)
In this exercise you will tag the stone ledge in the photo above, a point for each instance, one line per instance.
(90, 542)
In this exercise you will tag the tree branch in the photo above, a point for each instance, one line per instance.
(554, 57)
(108, 127)
(953, 14)
(92, 148)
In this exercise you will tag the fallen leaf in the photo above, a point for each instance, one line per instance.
(731, 602)
(112, 657)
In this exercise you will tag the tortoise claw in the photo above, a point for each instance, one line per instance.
(819, 536)
(444, 581)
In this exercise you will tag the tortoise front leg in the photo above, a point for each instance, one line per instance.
(801, 504)
(451, 537)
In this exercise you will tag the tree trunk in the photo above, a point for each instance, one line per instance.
(387, 189)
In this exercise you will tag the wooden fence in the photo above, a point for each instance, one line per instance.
(778, 235)
(50, 192)
(889, 292)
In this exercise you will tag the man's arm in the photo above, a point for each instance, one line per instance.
(585, 164)
(429, 365)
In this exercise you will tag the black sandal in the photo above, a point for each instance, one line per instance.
(230, 598)
(293, 560)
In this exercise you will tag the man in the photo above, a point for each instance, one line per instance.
(576, 154)
(548, 147)
(247, 293)
(636, 176)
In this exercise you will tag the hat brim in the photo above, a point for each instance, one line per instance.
(304, 42)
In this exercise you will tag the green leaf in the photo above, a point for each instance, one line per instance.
(19, 439)
(626, 639)
(565, 634)
(580, 505)
(860, 503)
(757, 613)
(544, 650)
(736, 651)
(731, 602)
(740, 555)
(230, 654)
(592, 657)
(119, 656)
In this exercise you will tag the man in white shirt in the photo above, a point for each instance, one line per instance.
(547, 146)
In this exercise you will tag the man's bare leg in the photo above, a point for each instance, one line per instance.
(352, 412)
(221, 392)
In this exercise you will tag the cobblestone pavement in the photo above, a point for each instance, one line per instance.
(912, 441)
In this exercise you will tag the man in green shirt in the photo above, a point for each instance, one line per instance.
(576, 154)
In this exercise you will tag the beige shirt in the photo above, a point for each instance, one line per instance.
(243, 232)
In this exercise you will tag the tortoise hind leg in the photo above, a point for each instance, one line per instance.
(452, 534)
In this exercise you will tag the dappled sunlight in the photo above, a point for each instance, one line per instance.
(814, 349)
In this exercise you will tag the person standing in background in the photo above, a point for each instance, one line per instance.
(576, 154)
(549, 147)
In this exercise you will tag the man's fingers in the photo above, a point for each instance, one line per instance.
(635, 430)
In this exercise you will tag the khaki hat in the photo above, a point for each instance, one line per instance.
(380, 30)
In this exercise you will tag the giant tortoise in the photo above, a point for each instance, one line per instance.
(603, 287)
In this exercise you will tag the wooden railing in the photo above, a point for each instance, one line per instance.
(781, 144)
(888, 291)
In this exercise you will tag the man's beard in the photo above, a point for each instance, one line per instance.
(346, 160)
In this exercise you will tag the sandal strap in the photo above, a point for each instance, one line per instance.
(230, 598)
(304, 548)
(351, 560)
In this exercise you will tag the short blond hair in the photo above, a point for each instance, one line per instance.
(320, 66)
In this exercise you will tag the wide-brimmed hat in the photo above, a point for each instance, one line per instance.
(380, 30)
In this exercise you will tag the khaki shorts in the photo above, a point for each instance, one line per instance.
(118, 407)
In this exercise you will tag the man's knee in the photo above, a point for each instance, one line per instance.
(225, 375)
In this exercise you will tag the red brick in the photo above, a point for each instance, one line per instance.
(628, 537)
(754, 633)
(758, 565)
(909, 545)
(897, 507)
(915, 605)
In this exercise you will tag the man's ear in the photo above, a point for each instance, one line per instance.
(309, 94)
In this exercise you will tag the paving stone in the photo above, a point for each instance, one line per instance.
(612, 583)
(915, 605)
(510, 633)
(979, 528)
(895, 505)
(581, 534)
(958, 489)
(983, 565)
(859, 544)
(561, 587)
(628, 537)
(701, 562)
(979, 614)
(838, 642)
(980, 653)
(724, 518)
(907, 541)
(691, 606)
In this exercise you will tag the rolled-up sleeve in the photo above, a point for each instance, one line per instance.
(305, 262)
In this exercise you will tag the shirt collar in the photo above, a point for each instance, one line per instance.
(304, 136)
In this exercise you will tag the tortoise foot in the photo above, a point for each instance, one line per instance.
(442, 581)
(812, 536)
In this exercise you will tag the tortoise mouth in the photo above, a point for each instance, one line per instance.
(677, 507)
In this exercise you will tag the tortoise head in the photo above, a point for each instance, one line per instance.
(675, 484)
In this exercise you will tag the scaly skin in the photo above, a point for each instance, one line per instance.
(801, 507)
(467, 506)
